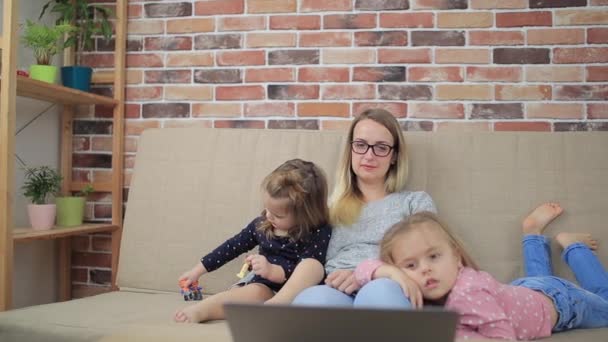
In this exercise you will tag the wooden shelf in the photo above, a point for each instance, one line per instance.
(56, 93)
(28, 234)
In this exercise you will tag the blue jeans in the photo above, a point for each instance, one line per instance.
(380, 293)
(577, 307)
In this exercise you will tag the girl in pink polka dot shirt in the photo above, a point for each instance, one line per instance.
(422, 248)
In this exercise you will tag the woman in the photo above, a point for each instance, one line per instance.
(368, 198)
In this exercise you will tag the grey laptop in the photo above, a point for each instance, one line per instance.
(266, 323)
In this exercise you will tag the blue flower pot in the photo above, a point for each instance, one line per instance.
(77, 77)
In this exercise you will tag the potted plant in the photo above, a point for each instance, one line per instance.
(70, 209)
(90, 20)
(46, 42)
(40, 184)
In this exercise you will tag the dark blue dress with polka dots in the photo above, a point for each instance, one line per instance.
(278, 250)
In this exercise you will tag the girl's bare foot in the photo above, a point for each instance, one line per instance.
(540, 217)
(565, 239)
(188, 314)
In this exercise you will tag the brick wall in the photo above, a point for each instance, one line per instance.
(539, 65)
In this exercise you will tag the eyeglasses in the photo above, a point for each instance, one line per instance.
(379, 150)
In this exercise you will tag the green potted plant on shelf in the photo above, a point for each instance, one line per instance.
(41, 183)
(90, 20)
(45, 42)
(70, 209)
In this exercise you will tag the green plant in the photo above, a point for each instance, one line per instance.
(40, 183)
(44, 40)
(89, 19)
(86, 190)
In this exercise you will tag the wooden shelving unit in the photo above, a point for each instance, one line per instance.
(12, 86)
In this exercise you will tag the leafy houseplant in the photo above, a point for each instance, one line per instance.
(70, 209)
(40, 184)
(46, 42)
(90, 20)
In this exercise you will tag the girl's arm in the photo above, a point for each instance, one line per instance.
(308, 272)
(375, 269)
(192, 275)
(240, 243)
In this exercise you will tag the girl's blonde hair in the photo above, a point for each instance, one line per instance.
(347, 199)
(416, 221)
(304, 185)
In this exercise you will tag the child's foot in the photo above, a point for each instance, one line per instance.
(187, 315)
(540, 217)
(565, 239)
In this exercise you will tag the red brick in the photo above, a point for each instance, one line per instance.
(91, 259)
(325, 5)
(273, 39)
(270, 109)
(349, 21)
(98, 60)
(522, 126)
(597, 35)
(379, 74)
(557, 3)
(323, 109)
(462, 56)
(499, 4)
(165, 110)
(597, 110)
(404, 92)
(308, 39)
(198, 58)
(293, 57)
(494, 74)
(580, 55)
(398, 109)
(412, 20)
(212, 7)
(81, 144)
(436, 110)
(465, 19)
(101, 144)
(554, 74)
(496, 37)
(321, 74)
(464, 92)
(239, 93)
(293, 92)
(348, 56)
(216, 109)
(133, 110)
(556, 36)
(239, 124)
(241, 57)
(355, 91)
(381, 38)
(597, 73)
(295, 22)
(241, 23)
(554, 111)
(517, 92)
(434, 74)
(189, 92)
(270, 75)
(404, 55)
(520, 19)
(166, 10)
(147, 60)
(79, 275)
(143, 93)
(439, 4)
(581, 17)
(168, 76)
(102, 243)
(190, 25)
(585, 92)
(136, 127)
(381, 5)
(172, 43)
(494, 111)
(134, 11)
(145, 27)
(81, 176)
(271, 6)
(81, 243)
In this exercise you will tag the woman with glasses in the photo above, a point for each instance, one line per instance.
(368, 198)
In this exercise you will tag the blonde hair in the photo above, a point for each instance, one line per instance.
(347, 199)
(304, 185)
(416, 221)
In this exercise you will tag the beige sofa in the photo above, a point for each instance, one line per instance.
(192, 188)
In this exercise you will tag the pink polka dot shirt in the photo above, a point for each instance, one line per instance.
(488, 308)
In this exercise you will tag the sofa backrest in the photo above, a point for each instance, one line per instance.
(192, 188)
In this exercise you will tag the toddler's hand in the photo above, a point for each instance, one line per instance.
(259, 265)
(343, 280)
(410, 288)
(191, 275)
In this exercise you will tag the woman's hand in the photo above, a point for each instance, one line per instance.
(260, 265)
(191, 275)
(410, 288)
(343, 280)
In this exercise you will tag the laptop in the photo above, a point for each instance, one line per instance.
(273, 323)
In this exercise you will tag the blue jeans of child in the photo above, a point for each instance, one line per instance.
(577, 307)
(380, 293)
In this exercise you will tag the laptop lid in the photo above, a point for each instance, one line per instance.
(270, 323)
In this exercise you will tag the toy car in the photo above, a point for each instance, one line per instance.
(192, 292)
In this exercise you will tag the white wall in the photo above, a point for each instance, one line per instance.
(35, 280)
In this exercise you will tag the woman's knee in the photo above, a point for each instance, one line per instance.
(322, 295)
(382, 293)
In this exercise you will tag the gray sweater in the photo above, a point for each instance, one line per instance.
(349, 245)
